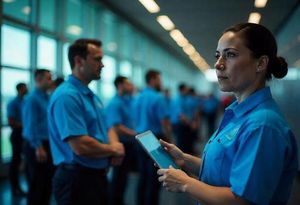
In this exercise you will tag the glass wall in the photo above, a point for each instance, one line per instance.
(37, 33)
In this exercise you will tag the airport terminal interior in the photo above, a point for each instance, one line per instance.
(178, 38)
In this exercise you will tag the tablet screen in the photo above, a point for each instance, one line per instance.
(152, 146)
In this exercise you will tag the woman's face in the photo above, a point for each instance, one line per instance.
(236, 68)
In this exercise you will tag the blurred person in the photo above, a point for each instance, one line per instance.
(14, 115)
(151, 113)
(210, 108)
(119, 116)
(35, 131)
(252, 157)
(183, 119)
(82, 145)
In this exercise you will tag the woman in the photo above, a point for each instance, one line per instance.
(251, 158)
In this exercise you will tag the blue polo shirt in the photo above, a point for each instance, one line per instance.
(150, 109)
(14, 109)
(180, 105)
(253, 152)
(34, 118)
(119, 111)
(74, 110)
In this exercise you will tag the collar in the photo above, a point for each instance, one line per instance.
(79, 85)
(256, 98)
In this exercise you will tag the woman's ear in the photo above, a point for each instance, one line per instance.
(262, 64)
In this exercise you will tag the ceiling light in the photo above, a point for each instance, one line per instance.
(8, 1)
(74, 30)
(150, 5)
(165, 22)
(260, 3)
(189, 49)
(26, 10)
(176, 35)
(254, 17)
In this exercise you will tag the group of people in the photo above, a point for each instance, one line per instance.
(71, 138)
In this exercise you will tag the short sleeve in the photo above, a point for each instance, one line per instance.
(68, 113)
(258, 164)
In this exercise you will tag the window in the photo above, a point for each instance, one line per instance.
(9, 79)
(47, 14)
(66, 65)
(5, 143)
(73, 18)
(138, 77)
(18, 9)
(126, 69)
(15, 47)
(107, 77)
(46, 53)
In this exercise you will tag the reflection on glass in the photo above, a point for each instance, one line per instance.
(66, 65)
(15, 47)
(5, 143)
(109, 71)
(47, 9)
(46, 53)
(126, 69)
(17, 9)
(107, 91)
(9, 79)
(73, 18)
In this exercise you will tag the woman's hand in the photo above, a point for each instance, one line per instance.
(174, 151)
(174, 180)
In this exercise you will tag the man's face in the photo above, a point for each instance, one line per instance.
(44, 81)
(92, 65)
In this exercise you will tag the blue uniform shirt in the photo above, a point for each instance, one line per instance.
(180, 105)
(74, 110)
(119, 111)
(34, 118)
(14, 109)
(253, 152)
(150, 109)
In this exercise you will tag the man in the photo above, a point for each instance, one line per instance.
(14, 115)
(185, 118)
(151, 113)
(119, 116)
(35, 132)
(81, 143)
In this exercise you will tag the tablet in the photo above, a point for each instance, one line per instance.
(152, 146)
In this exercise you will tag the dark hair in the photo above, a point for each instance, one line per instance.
(58, 81)
(151, 74)
(182, 86)
(19, 86)
(40, 72)
(262, 42)
(119, 80)
(80, 48)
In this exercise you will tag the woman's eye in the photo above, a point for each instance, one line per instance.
(230, 55)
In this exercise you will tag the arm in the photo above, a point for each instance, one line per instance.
(166, 124)
(87, 146)
(178, 181)
(123, 130)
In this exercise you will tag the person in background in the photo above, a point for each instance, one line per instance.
(252, 157)
(35, 131)
(151, 113)
(82, 145)
(14, 115)
(211, 105)
(119, 116)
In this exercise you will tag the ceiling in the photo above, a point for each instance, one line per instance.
(202, 21)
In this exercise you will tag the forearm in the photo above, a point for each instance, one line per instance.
(124, 131)
(112, 136)
(191, 164)
(89, 147)
(212, 195)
